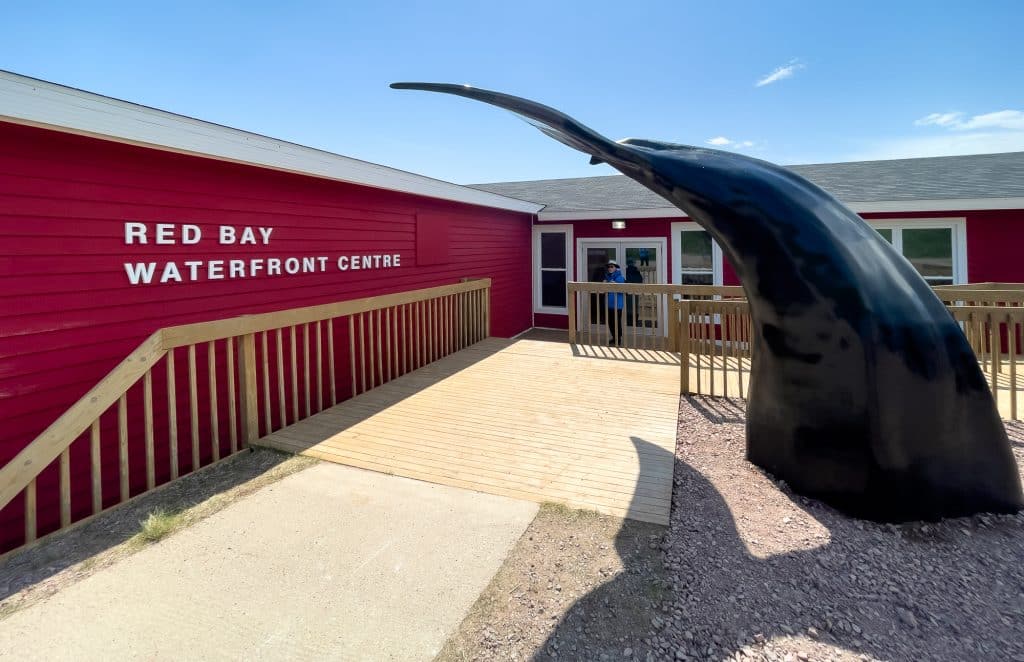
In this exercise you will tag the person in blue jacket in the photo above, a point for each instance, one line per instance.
(616, 302)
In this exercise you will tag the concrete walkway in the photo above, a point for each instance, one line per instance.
(332, 563)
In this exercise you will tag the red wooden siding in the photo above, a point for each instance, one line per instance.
(994, 241)
(68, 313)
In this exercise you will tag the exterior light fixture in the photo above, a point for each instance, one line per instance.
(618, 225)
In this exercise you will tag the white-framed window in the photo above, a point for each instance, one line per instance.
(937, 247)
(696, 257)
(552, 264)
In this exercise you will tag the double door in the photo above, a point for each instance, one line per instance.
(642, 262)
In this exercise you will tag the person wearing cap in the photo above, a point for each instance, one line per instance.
(616, 302)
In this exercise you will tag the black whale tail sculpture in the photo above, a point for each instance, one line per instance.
(864, 392)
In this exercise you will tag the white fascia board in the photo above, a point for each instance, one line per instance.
(659, 212)
(955, 204)
(47, 105)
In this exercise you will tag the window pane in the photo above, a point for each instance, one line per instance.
(552, 250)
(696, 249)
(597, 261)
(930, 251)
(552, 285)
(886, 233)
(697, 279)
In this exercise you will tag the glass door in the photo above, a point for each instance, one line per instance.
(642, 261)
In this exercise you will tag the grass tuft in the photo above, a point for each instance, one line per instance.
(158, 525)
(555, 509)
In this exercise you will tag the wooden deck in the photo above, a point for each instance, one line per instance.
(527, 419)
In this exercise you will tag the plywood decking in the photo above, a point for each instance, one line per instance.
(525, 419)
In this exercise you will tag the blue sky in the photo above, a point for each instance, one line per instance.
(852, 80)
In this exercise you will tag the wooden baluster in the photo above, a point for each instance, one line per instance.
(362, 355)
(268, 418)
(232, 401)
(993, 345)
(369, 346)
(65, 487)
(305, 367)
(172, 415)
(723, 323)
(247, 388)
(352, 351)
(396, 355)
(380, 349)
(211, 367)
(122, 449)
(97, 467)
(683, 339)
(282, 401)
(403, 362)
(30, 511)
(1011, 347)
(436, 332)
(330, 361)
(487, 312)
(430, 331)
(702, 341)
(147, 409)
(421, 333)
(448, 327)
(295, 374)
(319, 366)
(387, 344)
(193, 404)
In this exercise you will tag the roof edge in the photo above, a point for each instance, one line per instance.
(34, 102)
(951, 204)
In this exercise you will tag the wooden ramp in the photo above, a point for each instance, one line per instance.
(529, 419)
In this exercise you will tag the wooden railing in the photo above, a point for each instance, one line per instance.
(644, 316)
(714, 342)
(246, 391)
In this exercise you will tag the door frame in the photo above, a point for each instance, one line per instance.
(659, 243)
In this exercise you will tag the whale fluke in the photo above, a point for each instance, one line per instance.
(864, 392)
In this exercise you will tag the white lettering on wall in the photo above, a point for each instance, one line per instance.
(138, 233)
(134, 232)
(139, 272)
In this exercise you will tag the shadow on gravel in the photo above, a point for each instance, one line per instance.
(845, 588)
(37, 564)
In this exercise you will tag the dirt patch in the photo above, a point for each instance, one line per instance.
(748, 570)
(577, 583)
(67, 557)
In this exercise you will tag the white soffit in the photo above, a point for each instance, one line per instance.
(39, 103)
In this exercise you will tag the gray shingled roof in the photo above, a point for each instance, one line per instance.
(935, 178)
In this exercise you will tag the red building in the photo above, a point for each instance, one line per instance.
(118, 220)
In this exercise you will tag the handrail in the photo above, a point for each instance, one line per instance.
(44, 449)
(980, 294)
(657, 288)
(18, 473)
(188, 334)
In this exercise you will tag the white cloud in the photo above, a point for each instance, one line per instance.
(939, 119)
(722, 141)
(780, 73)
(947, 144)
(1000, 131)
(1001, 119)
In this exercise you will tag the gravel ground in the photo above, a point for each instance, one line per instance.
(748, 570)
